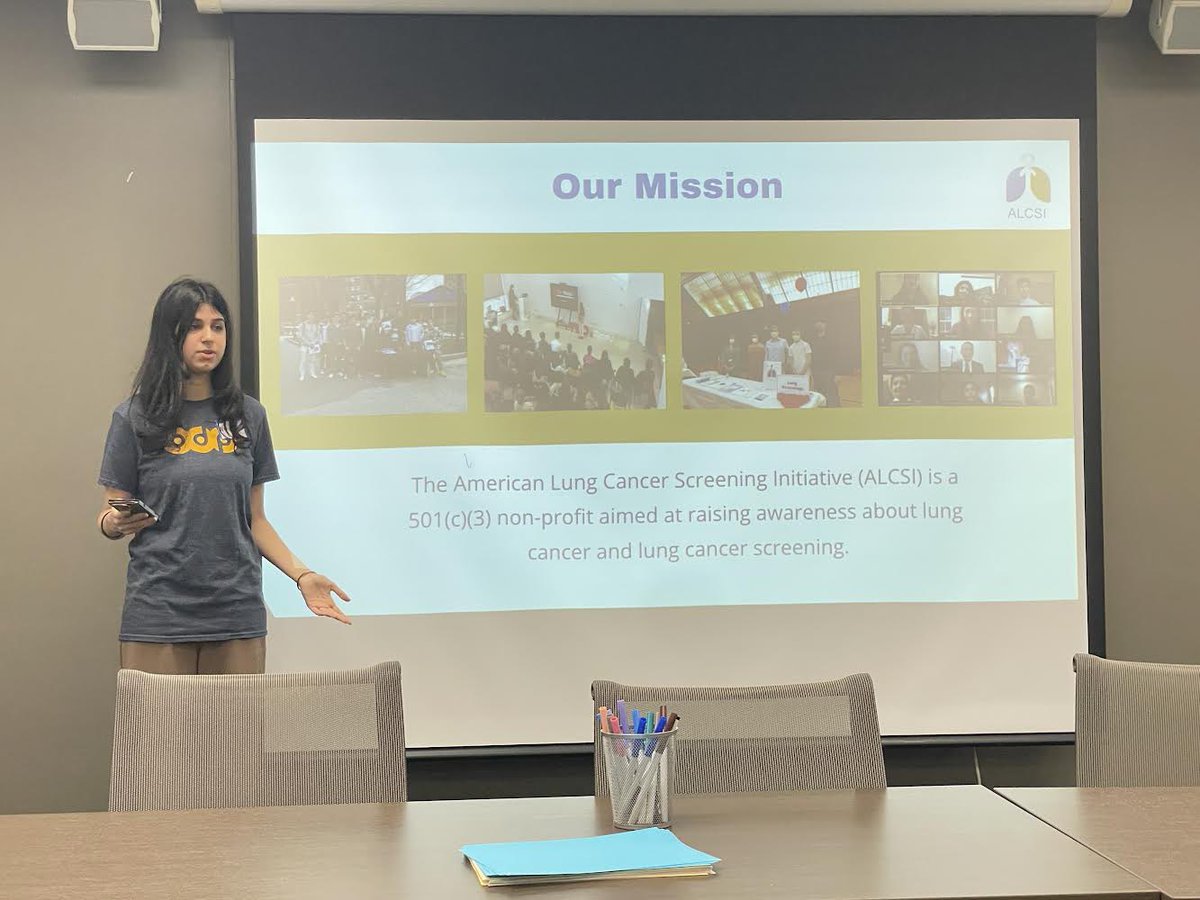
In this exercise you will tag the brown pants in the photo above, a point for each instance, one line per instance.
(247, 656)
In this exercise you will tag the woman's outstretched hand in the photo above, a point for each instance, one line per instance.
(318, 594)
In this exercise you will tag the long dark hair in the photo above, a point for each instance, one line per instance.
(158, 385)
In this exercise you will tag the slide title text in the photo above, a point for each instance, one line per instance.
(667, 186)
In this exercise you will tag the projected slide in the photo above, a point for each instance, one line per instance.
(691, 361)
(807, 389)
(777, 400)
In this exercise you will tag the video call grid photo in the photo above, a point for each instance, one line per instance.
(966, 338)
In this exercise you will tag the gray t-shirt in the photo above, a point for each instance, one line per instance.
(776, 350)
(196, 574)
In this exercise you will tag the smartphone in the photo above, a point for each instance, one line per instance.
(132, 505)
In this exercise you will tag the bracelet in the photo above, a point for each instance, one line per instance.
(111, 537)
(302, 574)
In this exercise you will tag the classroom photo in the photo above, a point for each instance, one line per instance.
(583, 342)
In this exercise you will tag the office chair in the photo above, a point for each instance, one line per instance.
(774, 738)
(216, 741)
(1136, 724)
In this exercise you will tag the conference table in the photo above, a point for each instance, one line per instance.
(1152, 832)
(927, 842)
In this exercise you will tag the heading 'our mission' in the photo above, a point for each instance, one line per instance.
(667, 186)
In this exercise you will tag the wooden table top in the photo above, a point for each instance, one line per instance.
(908, 843)
(1152, 832)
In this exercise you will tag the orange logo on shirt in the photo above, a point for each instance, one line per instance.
(201, 439)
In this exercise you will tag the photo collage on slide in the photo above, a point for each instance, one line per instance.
(771, 340)
(587, 342)
(372, 345)
(383, 345)
(966, 339)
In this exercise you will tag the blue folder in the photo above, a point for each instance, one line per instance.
(647, 851)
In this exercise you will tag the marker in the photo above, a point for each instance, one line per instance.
(668, 725)
(638, 728)
(659, 726)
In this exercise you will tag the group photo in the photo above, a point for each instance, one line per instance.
(771, 340)
(573, 342)
(372, 345)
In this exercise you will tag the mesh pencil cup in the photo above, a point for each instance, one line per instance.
(641, 777)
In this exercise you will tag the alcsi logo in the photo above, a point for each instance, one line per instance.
(1027, 180)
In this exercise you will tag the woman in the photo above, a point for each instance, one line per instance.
(1025, 330)
(968, 324)
(729, 361)
(197, 451)
(644, 387)
(911, 293)
(606, 367)
(901, 389)
(755, 356)
(907, 325)
(623, 383)
(964, 294)
(909, 358)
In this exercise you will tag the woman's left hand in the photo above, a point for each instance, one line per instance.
(318, 594)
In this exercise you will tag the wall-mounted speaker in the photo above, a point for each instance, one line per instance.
(1175, 25)
(114, 24)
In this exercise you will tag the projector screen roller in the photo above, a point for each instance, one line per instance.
(678, 402)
